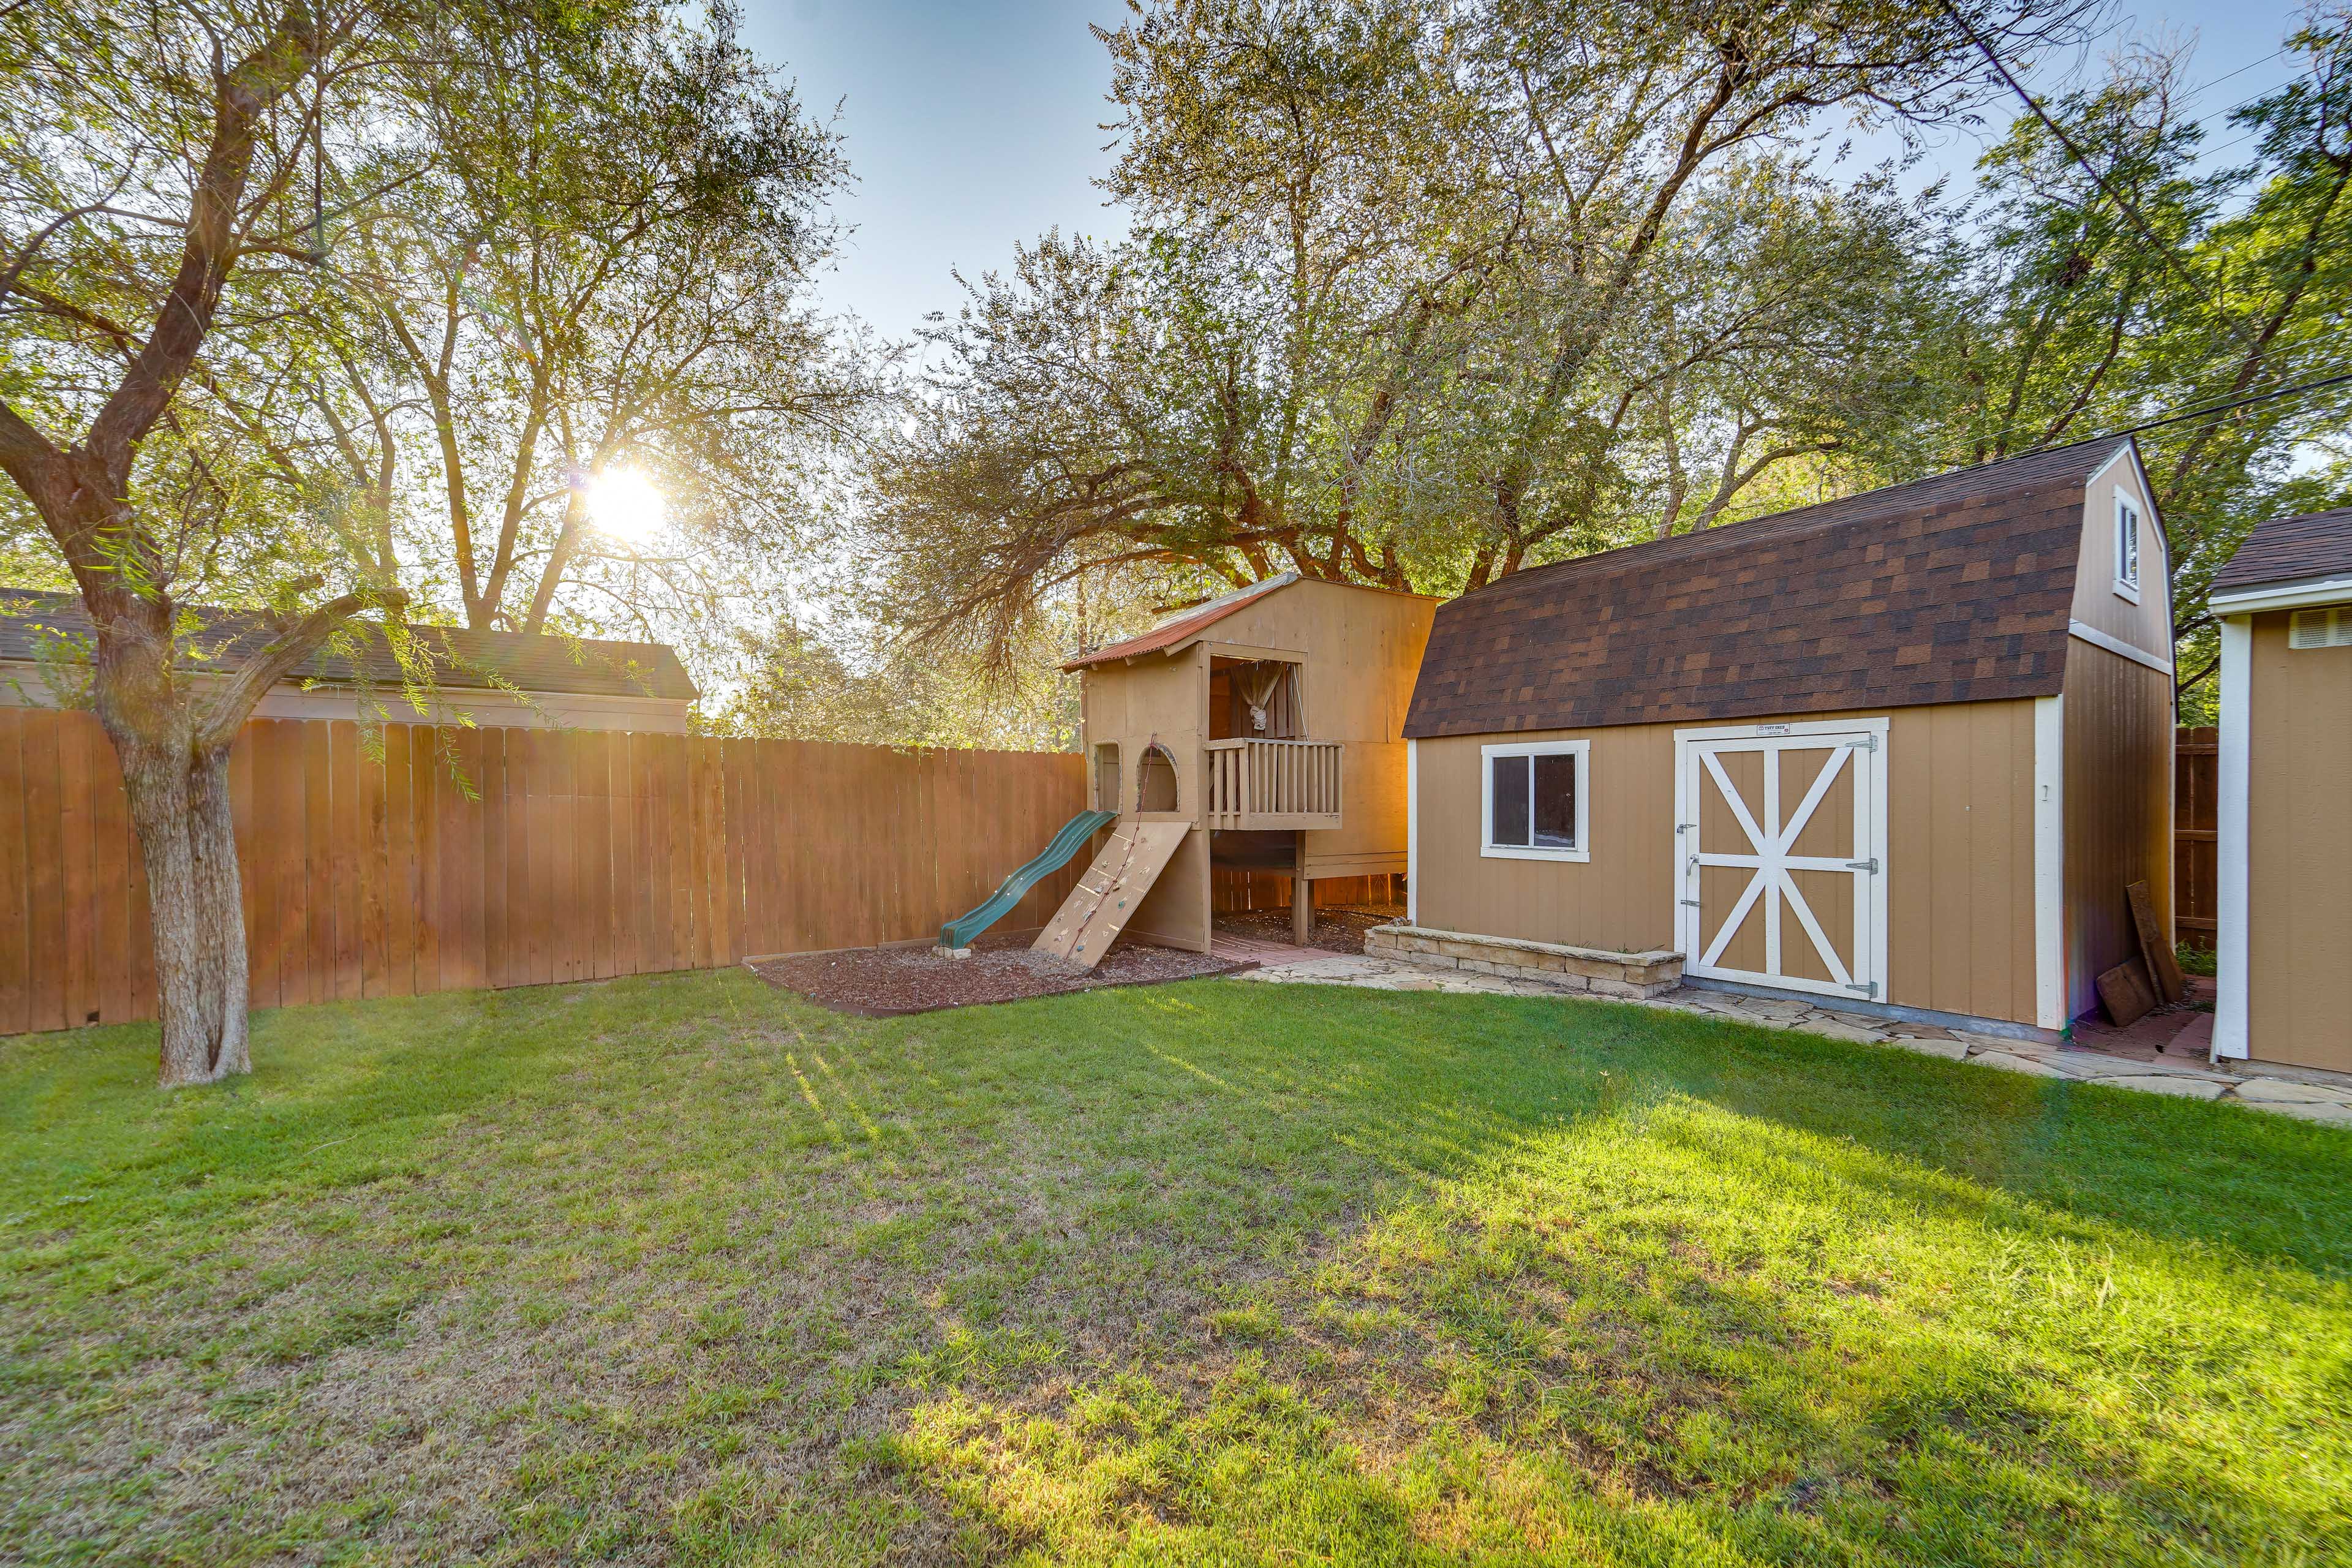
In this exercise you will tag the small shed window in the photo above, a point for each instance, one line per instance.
(2127, 548)
(1537, 800)
(1155, 779)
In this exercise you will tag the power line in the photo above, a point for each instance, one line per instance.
(2130, 211)
(2208, 87)
(2276, 391)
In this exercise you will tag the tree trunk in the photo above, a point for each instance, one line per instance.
(180, 806)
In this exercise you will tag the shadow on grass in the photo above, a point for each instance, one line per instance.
(1206, 1272)
(1659, 1288)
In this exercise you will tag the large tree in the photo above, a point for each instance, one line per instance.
(223, 381)
(1416, 300)
(603, 267)
(2127, 276)
(159, 228)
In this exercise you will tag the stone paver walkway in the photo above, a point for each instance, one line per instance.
(2313, 1096)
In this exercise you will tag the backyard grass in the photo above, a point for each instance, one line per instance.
(681, 1270)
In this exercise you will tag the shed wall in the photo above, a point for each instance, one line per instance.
(2119, 744)
(1959, 853)
(2299, 860)
(2147, 624)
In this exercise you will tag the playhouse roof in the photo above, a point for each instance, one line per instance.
(2286, 549)
(1176, 630)
(33, 621)
(1958, 588)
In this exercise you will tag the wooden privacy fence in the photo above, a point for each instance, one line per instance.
(2196, 818)
(564, 855)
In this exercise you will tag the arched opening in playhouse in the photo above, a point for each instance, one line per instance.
(1155, 779)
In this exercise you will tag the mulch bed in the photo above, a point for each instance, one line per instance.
(1339, 929)
(889, 982)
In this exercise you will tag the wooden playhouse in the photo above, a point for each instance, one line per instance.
(1262, 730)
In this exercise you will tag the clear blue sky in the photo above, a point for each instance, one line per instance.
(973, 126)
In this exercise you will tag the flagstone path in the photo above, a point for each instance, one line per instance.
(2291, 1091)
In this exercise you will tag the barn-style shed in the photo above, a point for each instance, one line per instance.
(2284, 602)
(1905, 749)
(1271, 721)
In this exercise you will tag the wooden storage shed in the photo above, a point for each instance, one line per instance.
(2285, 828)
(1271, 721)
(1904, 749)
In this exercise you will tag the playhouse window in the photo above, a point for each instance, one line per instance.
(2126, 549)
(1255, 699)
(1537, 801)
(1106, 777)
(1155, 779)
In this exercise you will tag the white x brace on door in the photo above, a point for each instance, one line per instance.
(1780, 855)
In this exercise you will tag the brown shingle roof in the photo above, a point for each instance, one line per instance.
(2315, 544)
(471, 660)
(1954, 589)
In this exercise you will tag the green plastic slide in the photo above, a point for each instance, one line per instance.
(959, 932)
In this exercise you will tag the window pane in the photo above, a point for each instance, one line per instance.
(1510, 786)
(1555, 825)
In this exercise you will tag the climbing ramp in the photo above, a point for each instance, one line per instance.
(1108, 895)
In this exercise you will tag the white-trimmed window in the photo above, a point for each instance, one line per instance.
(2127, 548)
(1537, 801)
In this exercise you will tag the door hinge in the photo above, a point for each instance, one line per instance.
(1868, 988)
(1867, 743)
(1692, 903)
(1870, 865)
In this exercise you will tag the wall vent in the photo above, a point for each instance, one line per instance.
(2321, 628)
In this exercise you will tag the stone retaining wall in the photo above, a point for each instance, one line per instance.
(1596, 970)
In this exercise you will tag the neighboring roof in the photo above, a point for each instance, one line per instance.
(463, 658)
(1958, 588)
(1182, 627)
(2284, 549)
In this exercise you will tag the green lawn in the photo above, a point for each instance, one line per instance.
(679, 1270)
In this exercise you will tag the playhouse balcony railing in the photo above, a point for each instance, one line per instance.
(1259, 785)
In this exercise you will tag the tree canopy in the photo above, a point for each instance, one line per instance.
(1421, 297)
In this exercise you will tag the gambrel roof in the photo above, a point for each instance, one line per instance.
(1958, 588)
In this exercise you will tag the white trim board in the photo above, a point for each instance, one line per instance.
(2116, 646)
(1412, 833)
(2050, 862)
(2302, 594)
(2232, 843)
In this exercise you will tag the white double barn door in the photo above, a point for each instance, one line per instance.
(1780, 839)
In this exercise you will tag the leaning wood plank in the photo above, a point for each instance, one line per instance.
(1107, 897)
(2163, 964)
(2124, 992)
